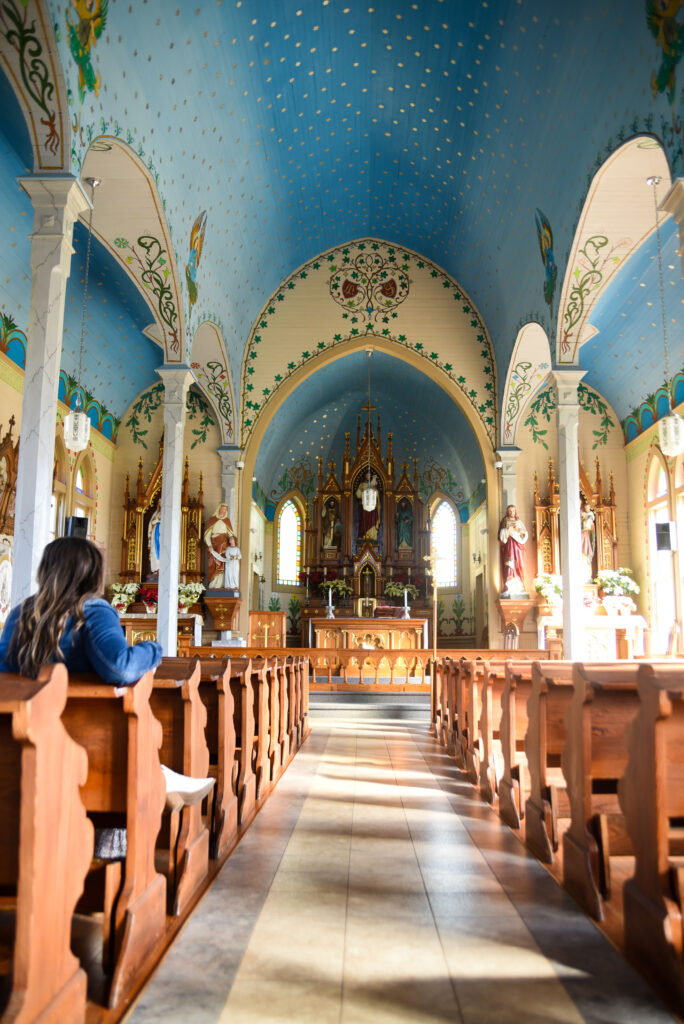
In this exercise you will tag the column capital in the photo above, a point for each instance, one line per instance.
(57, 201)
(176, 379)
(508, 455)
(566, 382)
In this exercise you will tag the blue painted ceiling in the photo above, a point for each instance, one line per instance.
(313, 421)
(440, 126)
(629, 319)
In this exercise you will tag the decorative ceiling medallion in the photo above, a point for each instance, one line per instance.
(368, 281)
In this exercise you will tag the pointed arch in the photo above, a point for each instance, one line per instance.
(616, 218)
(288, 549)
(528, 369)
(211, 369)
(28, 56)
(129, 219)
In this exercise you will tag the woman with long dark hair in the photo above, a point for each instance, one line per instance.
(69, 621)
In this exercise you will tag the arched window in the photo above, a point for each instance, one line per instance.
(59, 490)
(289, 544)
(662, 575)
(83, 490)
(445, 544)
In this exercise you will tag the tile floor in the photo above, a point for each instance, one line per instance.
(374, 886)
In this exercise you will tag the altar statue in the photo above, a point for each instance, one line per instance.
(154, 538)
(512, 537)
(232, 570)
(332, 525)
(369, 501)
(587, 518)
(404, 521)
(217, 531)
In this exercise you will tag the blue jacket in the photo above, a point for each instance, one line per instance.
(99, 646)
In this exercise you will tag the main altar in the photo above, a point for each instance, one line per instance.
(368, 527)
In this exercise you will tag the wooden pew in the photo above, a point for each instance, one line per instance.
(602, 707)
(46, 849)
(246, 675)
(491, 760)
(514, 782)
(544, 742)
(651, 794)
(122, 739)
(474, 674)
(176, 703)
(217, 696)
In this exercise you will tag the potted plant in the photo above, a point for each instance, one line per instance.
(616, 588)
(550, 589)
(341, 586)
(149, 599)
(123, 594)
(189, 594)
(396, 588)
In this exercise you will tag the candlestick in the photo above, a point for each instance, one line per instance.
(409, 573)
(406, 608)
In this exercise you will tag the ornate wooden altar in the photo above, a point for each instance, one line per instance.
(140, 508)
(547, 527)
(369, 634)
(367, 546)
(9, 458)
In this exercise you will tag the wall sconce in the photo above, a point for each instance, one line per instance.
(477, 558)
(240, 464)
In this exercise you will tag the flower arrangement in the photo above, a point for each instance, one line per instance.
(149, 599)
(189, 594)
(123, 594)
(549, 586)
(340, 586)
(616, 582)
(396, 588)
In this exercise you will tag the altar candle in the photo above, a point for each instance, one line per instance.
(325, 572)
(405, 599)
(329, 597)
(409, 573)
(391, 570)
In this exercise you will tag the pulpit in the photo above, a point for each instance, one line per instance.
(267, 629)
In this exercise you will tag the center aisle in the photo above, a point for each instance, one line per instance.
(374, 886)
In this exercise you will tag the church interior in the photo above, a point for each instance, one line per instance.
(349, 333)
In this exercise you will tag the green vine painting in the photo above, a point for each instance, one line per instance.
(546, 402)
(20, 33)
(144, 408)
(148, 258)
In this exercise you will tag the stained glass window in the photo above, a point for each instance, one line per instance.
(289, 545)
(444, 541)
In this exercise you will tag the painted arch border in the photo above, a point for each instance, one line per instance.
(332, 354)
(484, 404)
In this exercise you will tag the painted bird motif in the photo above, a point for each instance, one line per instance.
(661, 18)
(196, 246)
(545, 237)
(83, 36)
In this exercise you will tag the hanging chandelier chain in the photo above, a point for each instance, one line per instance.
(368, 426)
(654, 182)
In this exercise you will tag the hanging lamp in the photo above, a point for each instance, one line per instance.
(369, 495)
(670, 426)
(76, 422)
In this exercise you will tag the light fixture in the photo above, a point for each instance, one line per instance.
(76, 422)
(369, 495)
(671, 425)
(240, 464)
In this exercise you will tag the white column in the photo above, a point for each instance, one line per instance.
(57, 203)
(566, 382)
(177, 380)
(508, 458)
(230, 456)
